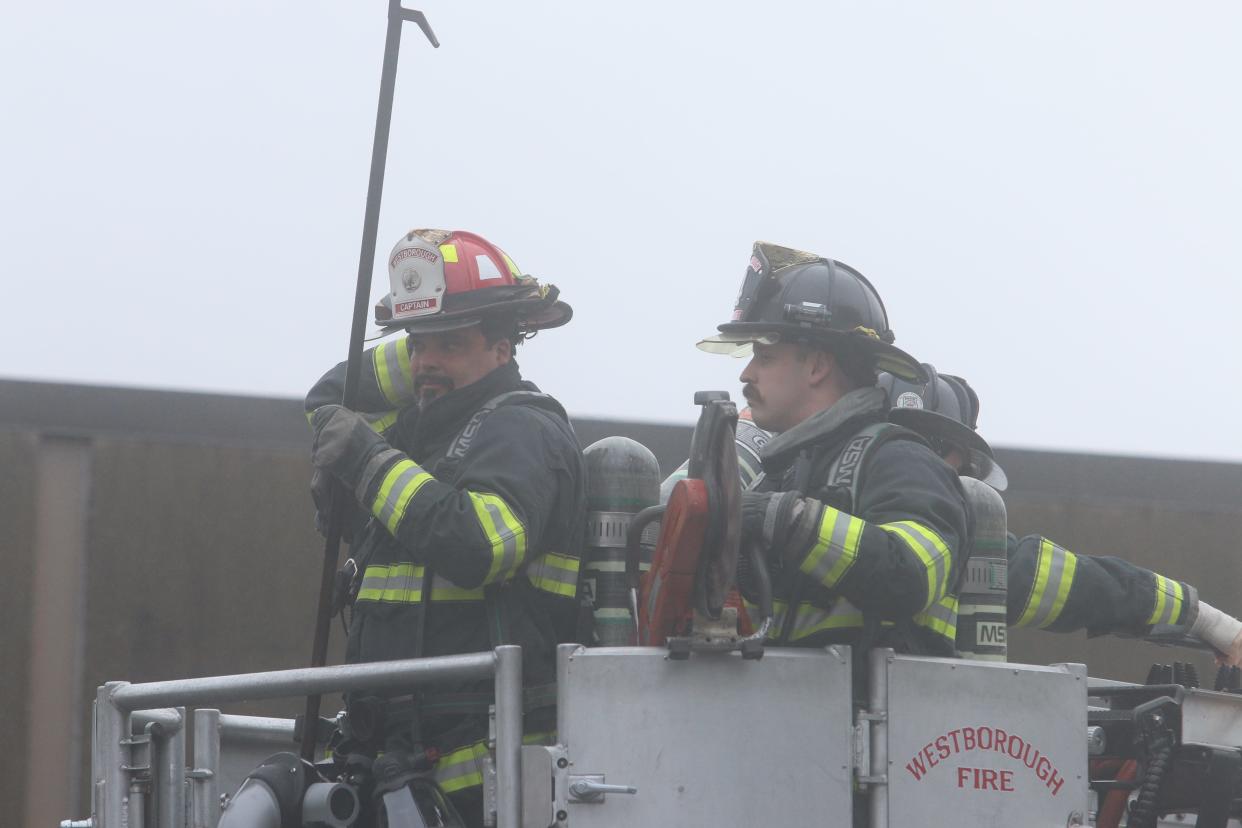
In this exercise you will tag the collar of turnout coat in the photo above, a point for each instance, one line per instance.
(445, 416)
(861, 401)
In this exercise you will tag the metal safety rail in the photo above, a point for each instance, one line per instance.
(121, 761)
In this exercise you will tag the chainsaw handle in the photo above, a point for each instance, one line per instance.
(763, 580)
(633, 541)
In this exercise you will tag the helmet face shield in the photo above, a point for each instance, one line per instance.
(758, 286)
(737, 346)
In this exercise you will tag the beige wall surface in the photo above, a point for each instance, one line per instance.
(201, 557)
(203, 561)
(18, 450)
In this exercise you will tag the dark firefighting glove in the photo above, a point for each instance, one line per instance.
(321, 487)
(782, 523)
(321, 492)
(345, 446)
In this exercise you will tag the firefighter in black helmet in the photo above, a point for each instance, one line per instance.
(878, 568)
(1050, 587)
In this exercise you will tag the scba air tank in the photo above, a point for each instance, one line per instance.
(981, 625)
(623, 478)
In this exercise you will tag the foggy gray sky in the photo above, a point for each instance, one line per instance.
(1047, 195)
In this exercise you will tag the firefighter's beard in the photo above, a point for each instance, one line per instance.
(429, 387)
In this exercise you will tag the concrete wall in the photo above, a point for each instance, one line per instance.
(151, 535)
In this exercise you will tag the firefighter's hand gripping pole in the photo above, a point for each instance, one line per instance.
(366, 263)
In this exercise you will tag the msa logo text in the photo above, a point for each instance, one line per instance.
(990, 632)
(848, 466)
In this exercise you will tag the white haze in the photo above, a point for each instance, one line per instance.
(1046, 194)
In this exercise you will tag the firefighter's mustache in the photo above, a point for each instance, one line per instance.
(752, 396)
(434, 380)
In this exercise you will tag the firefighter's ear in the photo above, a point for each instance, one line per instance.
(820, 366)
(504, 350)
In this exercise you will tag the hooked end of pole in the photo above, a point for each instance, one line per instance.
(415, 16)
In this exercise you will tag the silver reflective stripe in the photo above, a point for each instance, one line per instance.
(406, 583)
(939, 559)
(940, 618)
(810, 619)
(402, 388)
(372, 469)
(941, 612)
(1052, 585)
(375, 583)
(394, 494)
(466, 766)
(398, 583)
(411, 583)
(543, 568)
(507, 538)
(1172, 599)
(836, 544)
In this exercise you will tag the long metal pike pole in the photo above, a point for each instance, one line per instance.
(366, 263)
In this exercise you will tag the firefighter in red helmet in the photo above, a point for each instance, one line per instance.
(471, 484)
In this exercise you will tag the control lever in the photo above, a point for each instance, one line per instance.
(592, 788)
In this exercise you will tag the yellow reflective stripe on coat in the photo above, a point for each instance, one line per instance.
(505, 534)
(400, 484)
(391, 361)
(1054, 575)
(940, 617)
(555, 573)
(463, 768)
(379, 422)
(835, 548)
(1169, 599)
(402, 583)
(931, 551)
(810, 619)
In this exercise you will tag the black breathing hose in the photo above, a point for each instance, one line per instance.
(1143, 814)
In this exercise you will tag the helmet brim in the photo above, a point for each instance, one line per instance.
(922, 421)
(990, 472)
(531, 314)
(737, 338)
